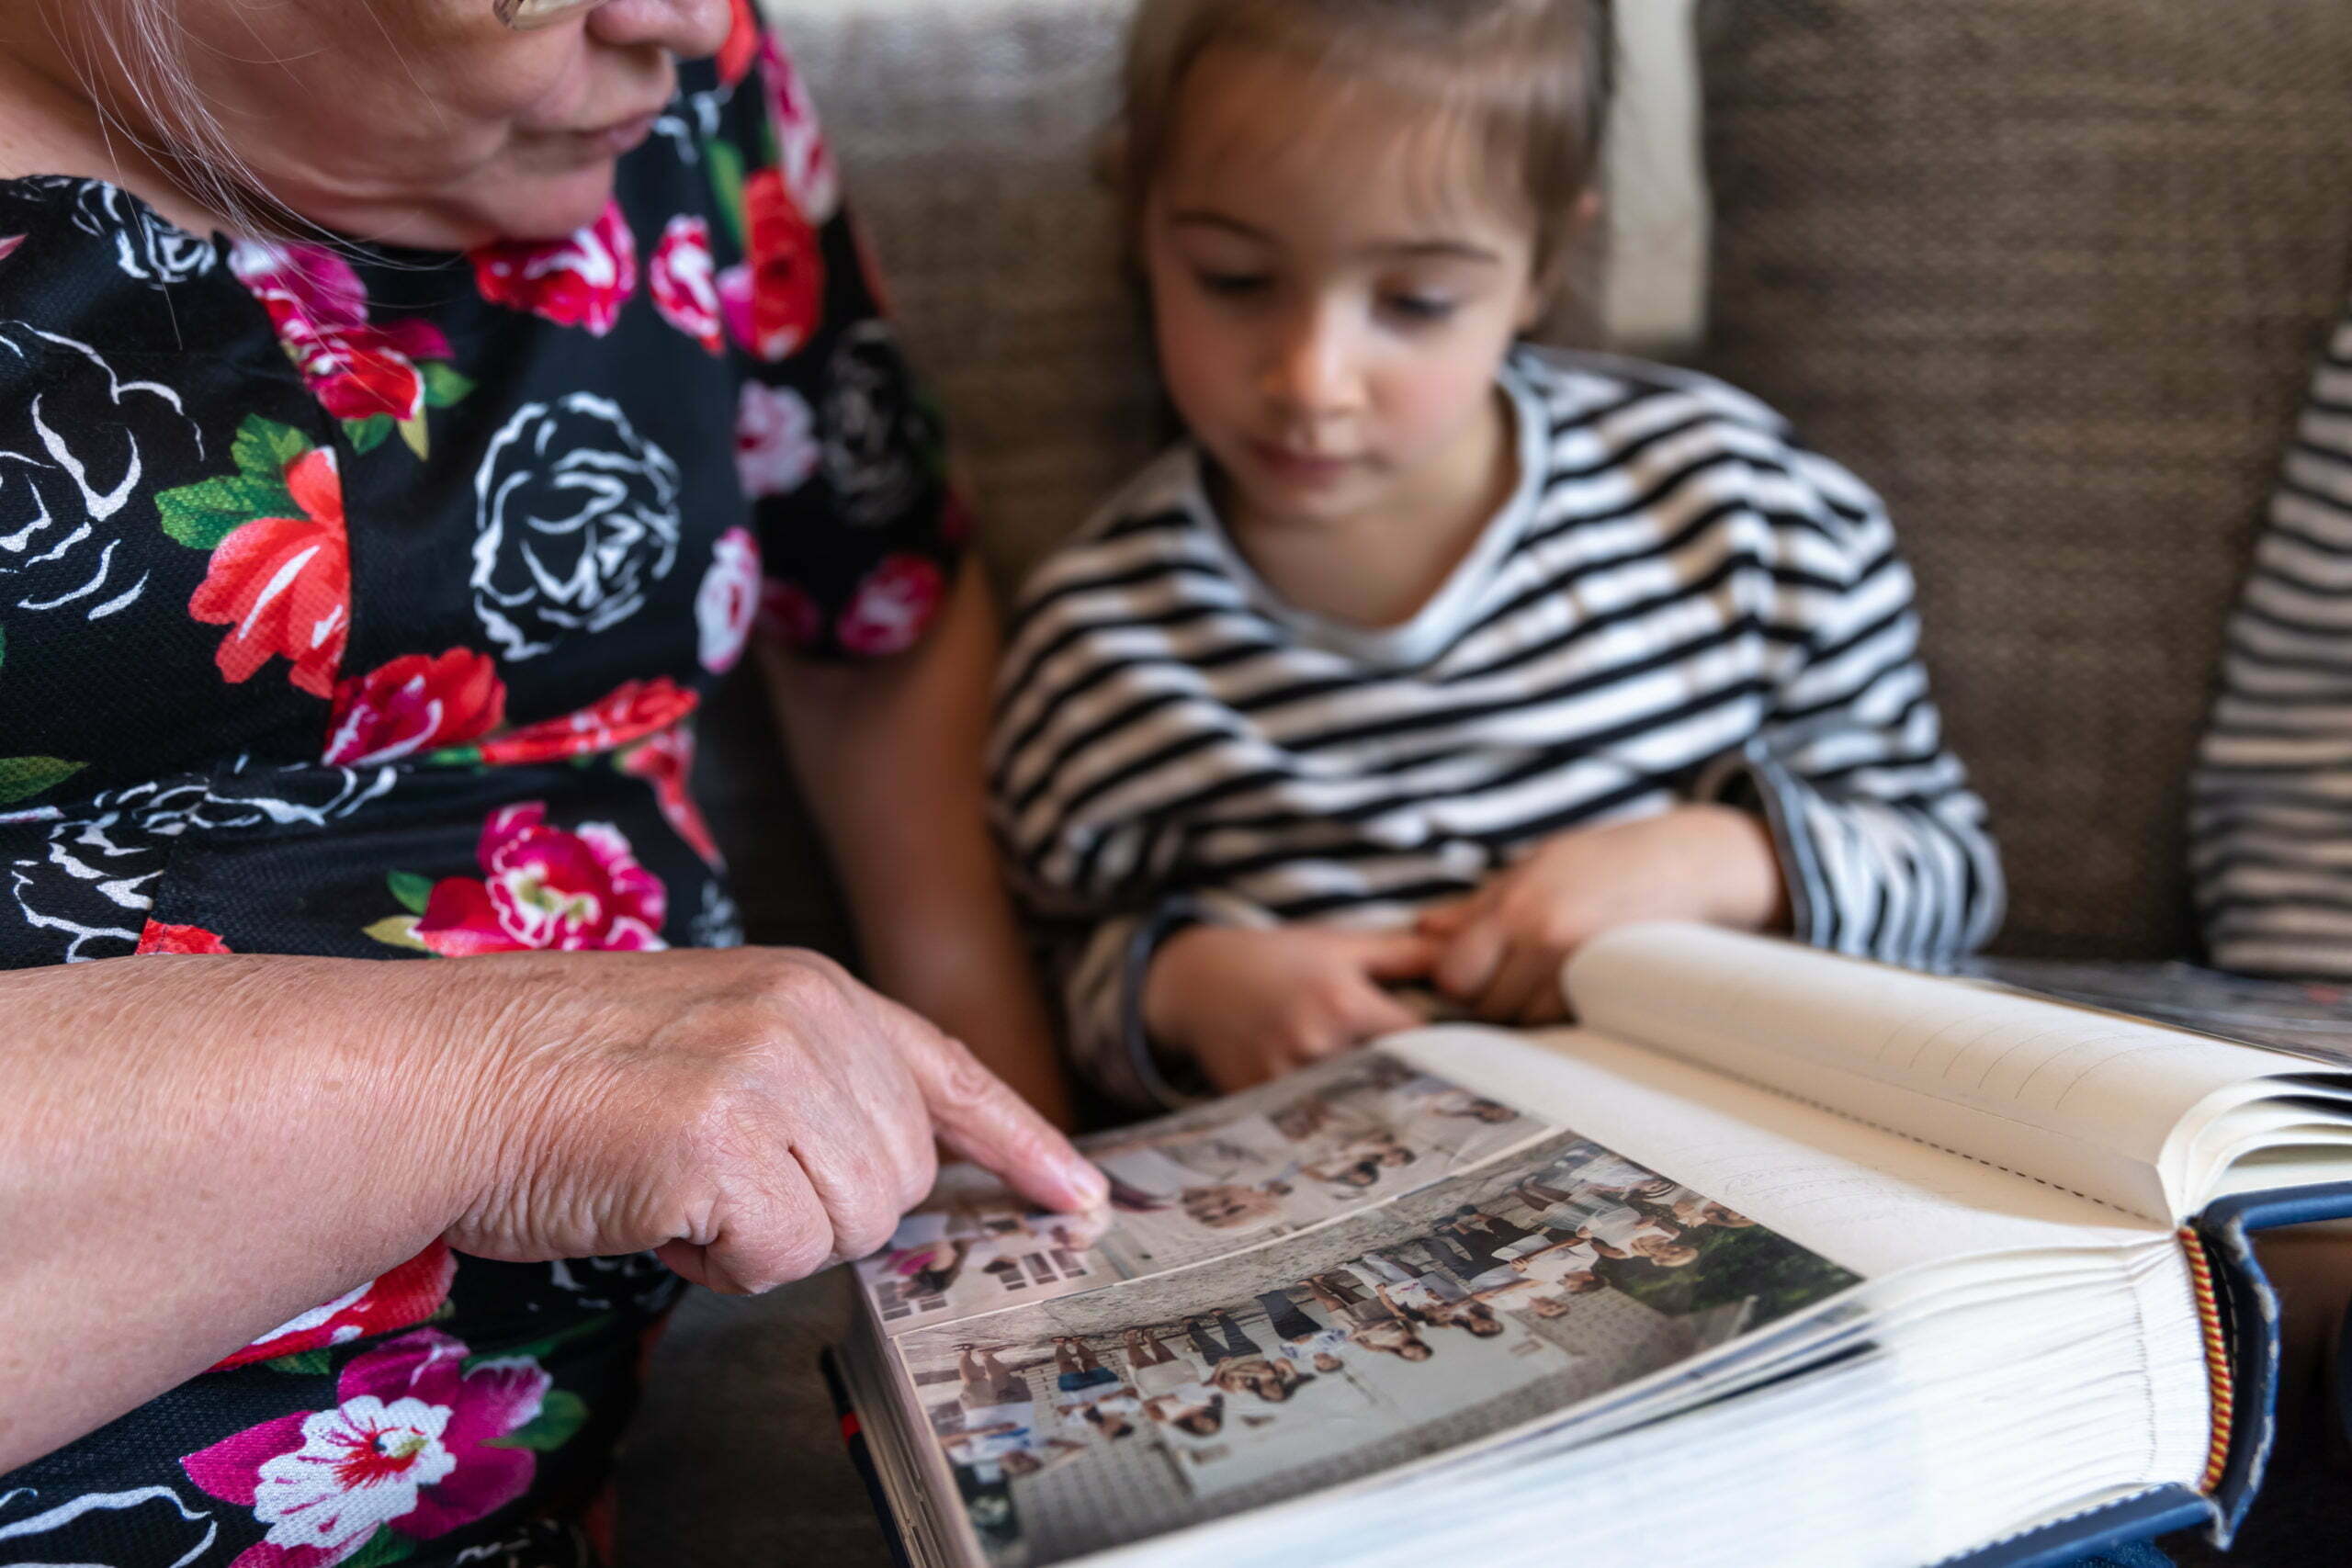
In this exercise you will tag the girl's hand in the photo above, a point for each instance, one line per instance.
(753, 1114)
(1502, 948)
(1253, 1004)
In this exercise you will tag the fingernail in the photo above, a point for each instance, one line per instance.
(1086, 1184)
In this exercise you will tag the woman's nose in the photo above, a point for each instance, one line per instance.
(687, 29)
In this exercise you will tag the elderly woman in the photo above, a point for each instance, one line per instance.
(405, 406)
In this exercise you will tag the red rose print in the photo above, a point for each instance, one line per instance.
(742, 46)
(408, 1294)
(357, 368)
(157, 936)
(728, 598)
(666, 761)
(893, 606)
(630, 711)
(547, 889)
(781, 298)
(583, 281)
(416, 702)
(685, 282)
(788, 612)
(283, 584)
(804, 160)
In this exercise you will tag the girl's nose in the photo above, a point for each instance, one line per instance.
(1312, 372)
(687, 29)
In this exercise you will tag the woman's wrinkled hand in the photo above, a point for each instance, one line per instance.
(753, 1114)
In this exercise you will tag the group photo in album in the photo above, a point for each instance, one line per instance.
(1462, 1308)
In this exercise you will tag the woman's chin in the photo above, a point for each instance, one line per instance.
(545, 206)
(520, 207)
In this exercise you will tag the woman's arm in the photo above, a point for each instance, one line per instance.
(888, 755)
(193, 1149)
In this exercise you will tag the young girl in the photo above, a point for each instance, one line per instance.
(1431, 655)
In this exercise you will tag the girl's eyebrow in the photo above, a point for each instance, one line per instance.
(1455, 250)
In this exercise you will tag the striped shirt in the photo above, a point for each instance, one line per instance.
(2271, 813)
(1678, 604)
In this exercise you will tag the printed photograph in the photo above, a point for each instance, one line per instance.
(1197, 1186)
(1470, 1307)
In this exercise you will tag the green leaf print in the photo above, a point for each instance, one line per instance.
(414, 891)
(202, 514)
(21, 778)
(397, 930)
(561, 1416)
(387, 1545)
(367, 435)
(727, 182)
(309, 1364)
(263, 447)
(443, 385)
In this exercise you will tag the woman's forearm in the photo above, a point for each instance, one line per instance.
(888, 756)
(195, 1149)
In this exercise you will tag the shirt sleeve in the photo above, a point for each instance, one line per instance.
(842, 453)
(2270, 820)
(1882, 844)
(1084, 880)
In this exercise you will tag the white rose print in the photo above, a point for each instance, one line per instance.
(73, 460)
(776, 440)
(576, 520)
(156, 252)
(879, 437)
(90, 883)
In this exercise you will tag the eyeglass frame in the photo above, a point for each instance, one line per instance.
(525, 16)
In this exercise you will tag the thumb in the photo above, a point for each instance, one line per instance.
(1371, 1012)
(977, 1118)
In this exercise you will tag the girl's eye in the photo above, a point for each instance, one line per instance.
(1232, 285)
(1419, 309)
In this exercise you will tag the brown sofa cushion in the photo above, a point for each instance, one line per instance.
(2047, 274)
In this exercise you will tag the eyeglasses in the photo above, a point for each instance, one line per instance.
(523, 16)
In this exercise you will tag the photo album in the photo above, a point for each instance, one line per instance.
(1776, 1258)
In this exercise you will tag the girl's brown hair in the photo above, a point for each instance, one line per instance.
(1534, 77)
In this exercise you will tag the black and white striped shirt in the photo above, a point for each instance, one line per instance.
(2270, 823)
(1678, 602)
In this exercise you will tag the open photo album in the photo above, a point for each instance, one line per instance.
(1776, 1258)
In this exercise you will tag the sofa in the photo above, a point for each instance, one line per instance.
(2046, 273)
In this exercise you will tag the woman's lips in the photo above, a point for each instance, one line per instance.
(620, 137)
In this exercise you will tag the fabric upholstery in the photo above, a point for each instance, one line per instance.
(2047, 277)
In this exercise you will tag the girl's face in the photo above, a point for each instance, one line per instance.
(1333, 288)
(431, 123)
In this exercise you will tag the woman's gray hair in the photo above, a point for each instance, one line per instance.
(142, 45)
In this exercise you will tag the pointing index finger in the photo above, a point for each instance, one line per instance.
(977, 1118)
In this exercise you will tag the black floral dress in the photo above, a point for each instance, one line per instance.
(358, 602)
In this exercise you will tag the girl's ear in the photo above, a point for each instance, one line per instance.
(1548, 287)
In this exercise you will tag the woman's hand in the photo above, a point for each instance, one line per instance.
(755, 1114)
(1502, 948)
(1251, 1004)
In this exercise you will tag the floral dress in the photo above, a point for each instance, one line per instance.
(358, 602)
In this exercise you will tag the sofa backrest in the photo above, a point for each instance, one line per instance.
(2048, 274)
